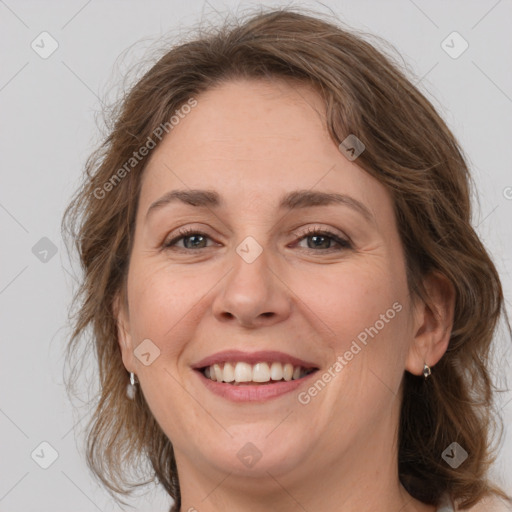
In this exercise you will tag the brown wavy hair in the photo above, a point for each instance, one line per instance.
(409, 149)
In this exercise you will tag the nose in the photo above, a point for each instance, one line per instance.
(253, 294)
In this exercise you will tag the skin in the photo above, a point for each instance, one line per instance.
(253, 141)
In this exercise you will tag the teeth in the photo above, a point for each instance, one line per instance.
(276, 371)
(218, 372)
(287, 371)
(243, 373)
(260, 372)
(229, 373)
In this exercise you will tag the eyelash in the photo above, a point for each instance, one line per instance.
(342, 243)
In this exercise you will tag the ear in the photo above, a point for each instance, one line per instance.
(432, 324)
(120, 311)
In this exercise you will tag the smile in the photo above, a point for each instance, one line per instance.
(257, 376)
(241, 373)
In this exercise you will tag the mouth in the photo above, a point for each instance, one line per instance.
(240, 373)
(258, 376)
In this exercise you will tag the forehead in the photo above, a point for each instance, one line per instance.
(255, 120)
(252, 138)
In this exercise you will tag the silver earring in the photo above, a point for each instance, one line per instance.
(131, 389)
(426, 371)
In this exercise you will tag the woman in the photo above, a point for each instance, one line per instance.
(290, 308)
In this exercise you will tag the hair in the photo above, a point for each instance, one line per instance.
(408, 148)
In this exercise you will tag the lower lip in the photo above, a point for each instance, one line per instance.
(252, 393)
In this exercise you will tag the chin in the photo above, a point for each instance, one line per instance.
(256, 453)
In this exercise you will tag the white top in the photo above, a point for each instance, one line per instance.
(446, 504)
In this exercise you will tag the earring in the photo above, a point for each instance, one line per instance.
(131, 389)
(426, 371)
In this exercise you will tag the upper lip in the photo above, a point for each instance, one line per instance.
(268, 356)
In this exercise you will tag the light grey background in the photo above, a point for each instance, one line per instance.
(48, 127)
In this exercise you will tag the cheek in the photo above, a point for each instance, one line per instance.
(161, 299)
(166, 303)
(351, 298)
(163, 304)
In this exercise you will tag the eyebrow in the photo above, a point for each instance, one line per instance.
(290, 201)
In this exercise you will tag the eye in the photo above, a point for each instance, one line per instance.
(192, 239)
(322, 239)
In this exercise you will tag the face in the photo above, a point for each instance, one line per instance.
(265, 273)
